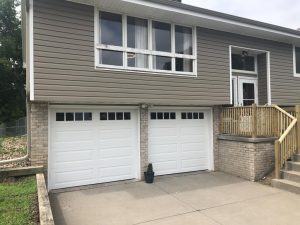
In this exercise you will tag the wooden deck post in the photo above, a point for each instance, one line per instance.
(254, 120)
(277, 160)
(297, 110)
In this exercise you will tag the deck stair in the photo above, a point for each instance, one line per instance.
(290, 176)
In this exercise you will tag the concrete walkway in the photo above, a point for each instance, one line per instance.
(194, 199)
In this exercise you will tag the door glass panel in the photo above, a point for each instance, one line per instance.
(248, 91)
(248, 94)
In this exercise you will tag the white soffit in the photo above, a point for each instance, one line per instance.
(152, 10)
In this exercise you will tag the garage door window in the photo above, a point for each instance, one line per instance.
(115, 116)
(192, 115)
(69, 116)
(163, 115)
(60, 117)
(74, 116)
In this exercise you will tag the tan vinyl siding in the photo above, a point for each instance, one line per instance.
(64, 65)
(284, 87)
(262, 78)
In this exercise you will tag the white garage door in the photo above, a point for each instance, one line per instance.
(179, 140)
(92, 146)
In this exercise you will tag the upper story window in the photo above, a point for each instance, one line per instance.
(243, 62)
(297, 61)
(127, 42)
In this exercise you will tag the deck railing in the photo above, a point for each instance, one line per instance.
(255, 121)
(265, 121)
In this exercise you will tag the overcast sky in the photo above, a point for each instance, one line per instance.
(284, 13)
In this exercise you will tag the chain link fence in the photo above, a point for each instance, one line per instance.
(15, 128)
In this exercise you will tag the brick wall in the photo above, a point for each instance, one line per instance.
(39, 133)
(264, 159)
(248, 160)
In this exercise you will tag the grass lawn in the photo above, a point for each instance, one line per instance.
(18, 202)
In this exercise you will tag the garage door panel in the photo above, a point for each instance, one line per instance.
(163, 140)
(76, 135)
(161, 167)
(192, 147)
(191, 130)
(115, 133)
(115, 172)
(194, 163)
(78, 176)
(69, 146)
(179, 145)
(162, 157)
(116, 152)
(111, 143)
(158, 132)
(73, 156)
(92, 151)
(74, 165)
(193, 155)
(117, 161)
(163, 149)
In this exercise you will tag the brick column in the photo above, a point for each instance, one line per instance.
(143, 140)
(39, 133)
(216, 132)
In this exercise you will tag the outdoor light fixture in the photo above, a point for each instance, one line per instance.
(245, 53)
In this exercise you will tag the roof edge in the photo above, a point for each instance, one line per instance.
(226, 16)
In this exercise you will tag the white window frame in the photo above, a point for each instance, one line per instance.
(294, 61)
(246, 71)
(148, 52)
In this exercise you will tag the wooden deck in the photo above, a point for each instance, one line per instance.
(265, 121)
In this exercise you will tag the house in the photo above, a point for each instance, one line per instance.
(113, 85)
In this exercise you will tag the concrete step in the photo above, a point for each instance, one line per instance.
(295, 166)
(296, 158)
(286, 185)
(291, 175)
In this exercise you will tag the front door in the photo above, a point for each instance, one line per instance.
(244, 91)
(247, 88)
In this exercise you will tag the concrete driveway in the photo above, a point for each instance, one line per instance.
(192, 199)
